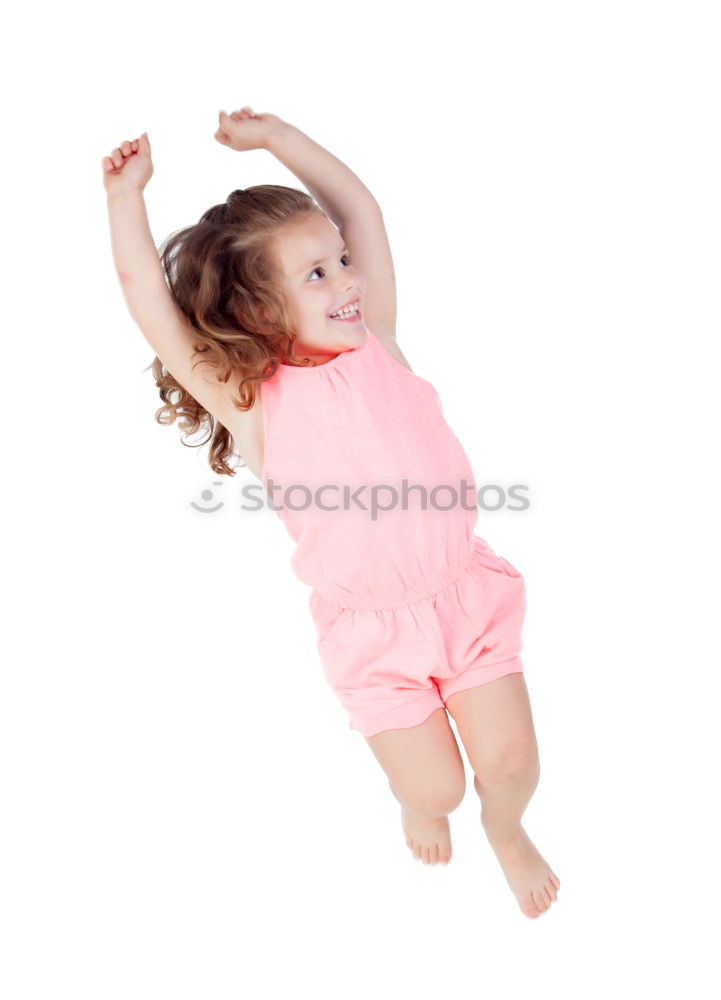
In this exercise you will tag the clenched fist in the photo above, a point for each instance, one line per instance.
(243, 130)
(129, 165)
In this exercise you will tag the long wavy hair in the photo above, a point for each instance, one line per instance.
(222, 277)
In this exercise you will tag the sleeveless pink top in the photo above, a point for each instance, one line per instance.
(344, 436)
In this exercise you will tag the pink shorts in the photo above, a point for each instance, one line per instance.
(392, 667)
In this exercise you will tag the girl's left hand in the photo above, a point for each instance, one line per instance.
(243, 130)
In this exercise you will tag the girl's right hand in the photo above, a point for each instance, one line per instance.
(129, 166)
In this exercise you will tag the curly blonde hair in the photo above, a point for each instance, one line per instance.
(223, 278)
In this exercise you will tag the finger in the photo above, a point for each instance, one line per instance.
(117, 157)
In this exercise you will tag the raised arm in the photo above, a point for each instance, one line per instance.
(126, 172)
(340, 193)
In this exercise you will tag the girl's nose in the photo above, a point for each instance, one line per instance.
(351, 287)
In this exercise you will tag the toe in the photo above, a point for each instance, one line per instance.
(539, 900)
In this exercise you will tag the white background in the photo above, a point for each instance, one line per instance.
(186, 813)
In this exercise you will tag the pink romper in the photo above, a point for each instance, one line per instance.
(409, 604)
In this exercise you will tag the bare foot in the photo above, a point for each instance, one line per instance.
(529, 876)
(429, 839)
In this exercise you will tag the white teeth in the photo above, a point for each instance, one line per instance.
(348, 311)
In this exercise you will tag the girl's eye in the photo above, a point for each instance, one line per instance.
(319, 270)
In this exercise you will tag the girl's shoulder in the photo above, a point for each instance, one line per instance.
(246, 429)
(389, 344)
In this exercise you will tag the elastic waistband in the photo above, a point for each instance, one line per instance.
(428, 588)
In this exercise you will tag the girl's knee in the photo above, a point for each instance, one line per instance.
(432, 803)
(512, 766)
(424, 766)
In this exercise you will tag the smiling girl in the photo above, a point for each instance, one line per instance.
(273, 319)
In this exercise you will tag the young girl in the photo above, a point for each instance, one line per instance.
(273, 320)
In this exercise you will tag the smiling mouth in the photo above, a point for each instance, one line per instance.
(349, 311)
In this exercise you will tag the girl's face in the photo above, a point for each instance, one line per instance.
(319, 279)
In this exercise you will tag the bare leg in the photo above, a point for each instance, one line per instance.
(495, 724)
(428, 837)
(426, 775)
